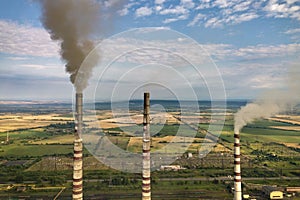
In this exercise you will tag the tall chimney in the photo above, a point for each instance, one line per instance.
(77, 161)
(237, 168)
(146, 185)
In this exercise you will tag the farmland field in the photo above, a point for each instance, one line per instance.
(9, 122)
(40, 147)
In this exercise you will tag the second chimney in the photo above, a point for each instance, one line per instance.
(237, 168)
(146, 178)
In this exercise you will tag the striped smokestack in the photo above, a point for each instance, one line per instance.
(146, 185)
(77, 162)
(237, 167)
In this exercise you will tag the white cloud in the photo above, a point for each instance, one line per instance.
(230, 12)
(265, 81)
(278, 7)
(177, 10)
(202, 6)
(143, 11)
(219, 52)
(181, 17)
(252, 65)
(285, 9)
(159, 1)
(291, 1)
(267, 51)
(180, 12)
(219, 13)
(158, 8)
(243, 17)
(255, 76)
(170, 20)
(213, 22)
(16, 58)
(153, 29)
(187, 3)
(123, 12)
(238, 11)
(295, 33)
(26, 40)
(196, 19)
(231, 19)
(167, 53)
(242, 6)
(222, 3)
(126, 8)
(110, 3)
(33, 66)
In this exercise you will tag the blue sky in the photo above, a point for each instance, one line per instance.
(253, 43)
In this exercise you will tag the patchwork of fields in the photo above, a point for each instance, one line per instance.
(43, 144)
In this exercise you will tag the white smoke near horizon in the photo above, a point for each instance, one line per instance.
(271, 102)
(73, 23)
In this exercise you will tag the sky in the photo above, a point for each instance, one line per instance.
(244, 47)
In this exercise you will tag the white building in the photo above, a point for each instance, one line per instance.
(272, 192)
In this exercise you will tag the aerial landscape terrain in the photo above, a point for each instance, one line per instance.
(150, 100)
(37, 153)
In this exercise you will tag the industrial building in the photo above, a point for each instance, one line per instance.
(292, 189)
(170, 167)
(272, 192)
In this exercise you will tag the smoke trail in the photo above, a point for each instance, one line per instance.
(272, 102)
(72, 22)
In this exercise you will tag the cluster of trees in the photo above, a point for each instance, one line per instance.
(60, 128)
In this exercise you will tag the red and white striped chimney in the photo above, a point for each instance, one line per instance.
(78, 148)
(146, 176)
(237, 168)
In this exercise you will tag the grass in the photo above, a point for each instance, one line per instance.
(254, 133)
(61, 139)
(163, 190)
(160, 130)
(121, 142)
(65, 163)
(37, 133)
(269, 131)
(278, 149)
(269, 135)
(267, 123)
(282, 182)
(158, 143)
(20, 150)
(185, 190)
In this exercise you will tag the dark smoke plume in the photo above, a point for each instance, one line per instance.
(272, 102)
(72, 22)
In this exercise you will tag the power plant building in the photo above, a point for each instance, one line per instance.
(272, 192)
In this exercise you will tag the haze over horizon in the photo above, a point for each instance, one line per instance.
(253, 43)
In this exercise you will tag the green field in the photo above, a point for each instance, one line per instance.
(21, 150)
(43, 156)
(29, 134)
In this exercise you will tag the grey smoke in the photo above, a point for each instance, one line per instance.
(272, 102)
(73, 23)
